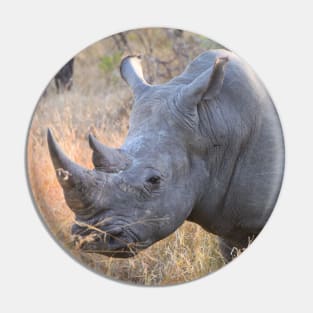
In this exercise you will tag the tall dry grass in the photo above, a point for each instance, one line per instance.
(100, 103)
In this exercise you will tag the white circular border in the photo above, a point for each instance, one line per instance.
(274, 272)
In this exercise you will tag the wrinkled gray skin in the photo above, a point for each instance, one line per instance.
(206, 147)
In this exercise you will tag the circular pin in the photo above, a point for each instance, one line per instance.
(155, 156)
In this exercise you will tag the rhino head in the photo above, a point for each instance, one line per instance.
(144, 191)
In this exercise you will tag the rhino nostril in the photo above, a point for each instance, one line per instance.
(114, 232)
(80, 230)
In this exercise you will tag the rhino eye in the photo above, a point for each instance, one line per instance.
(154, 180)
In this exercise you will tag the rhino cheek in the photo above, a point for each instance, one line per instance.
(155, 227)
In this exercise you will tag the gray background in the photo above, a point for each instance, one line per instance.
(274, 273)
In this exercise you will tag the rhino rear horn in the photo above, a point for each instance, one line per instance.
(105, 158)
(131, 72)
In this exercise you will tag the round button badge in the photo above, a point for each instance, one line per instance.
(155, 156)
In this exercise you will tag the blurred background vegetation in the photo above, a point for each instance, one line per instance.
(98, 101)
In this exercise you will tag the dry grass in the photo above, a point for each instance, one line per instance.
(100, 103)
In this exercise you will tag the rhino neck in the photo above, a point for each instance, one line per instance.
(243, 181)
(243, 175)
(258, 175)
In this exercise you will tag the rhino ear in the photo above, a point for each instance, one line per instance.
(131, 72)
(206, 86)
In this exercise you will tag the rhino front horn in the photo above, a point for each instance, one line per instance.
(105, 158)
(68, 172)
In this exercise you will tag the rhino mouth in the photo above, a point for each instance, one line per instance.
(106, 237)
